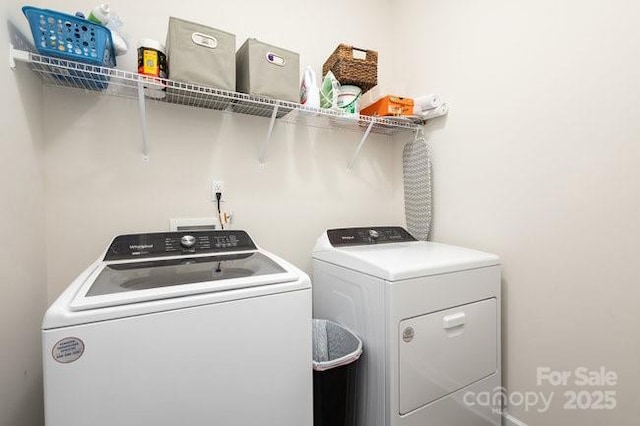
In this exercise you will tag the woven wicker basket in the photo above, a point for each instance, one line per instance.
(349, 70)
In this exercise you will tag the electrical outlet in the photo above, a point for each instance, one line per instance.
(216, 186)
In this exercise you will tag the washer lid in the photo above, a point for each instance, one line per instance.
(405, 260)
(126, 282)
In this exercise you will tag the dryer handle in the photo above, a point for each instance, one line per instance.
(454, 320)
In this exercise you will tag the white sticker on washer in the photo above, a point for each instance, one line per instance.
(68, 350)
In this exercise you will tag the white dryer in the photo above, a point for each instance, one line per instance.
(429, 317)
(174, 329)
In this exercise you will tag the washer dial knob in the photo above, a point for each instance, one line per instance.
(373, 235)
(188, 241)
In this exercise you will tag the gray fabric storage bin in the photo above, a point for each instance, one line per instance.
(266, 70)
(201, 55)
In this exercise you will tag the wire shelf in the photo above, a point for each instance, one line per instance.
(114, 82)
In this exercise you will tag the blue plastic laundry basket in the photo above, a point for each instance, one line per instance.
(69, 37)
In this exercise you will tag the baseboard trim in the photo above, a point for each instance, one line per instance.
(509, 420)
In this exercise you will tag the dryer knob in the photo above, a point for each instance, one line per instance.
(373, 234)
(408, 334)
(188, 241)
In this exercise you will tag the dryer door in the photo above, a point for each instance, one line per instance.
(445, 351)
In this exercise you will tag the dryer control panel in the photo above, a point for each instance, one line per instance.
(161, 244)
(367, 236)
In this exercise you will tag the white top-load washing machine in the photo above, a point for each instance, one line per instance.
(429, 317)
(189, 329)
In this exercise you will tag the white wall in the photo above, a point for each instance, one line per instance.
(22, 263)
(98, 186)
(538, 161)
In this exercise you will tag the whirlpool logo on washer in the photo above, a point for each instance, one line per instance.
(68, 350)
(140, 246)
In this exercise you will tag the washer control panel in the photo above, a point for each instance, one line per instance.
(367, 236)
(178, 243)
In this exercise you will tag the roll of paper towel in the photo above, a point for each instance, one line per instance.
(426, 103)
(436, 112)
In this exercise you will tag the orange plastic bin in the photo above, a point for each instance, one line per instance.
(390, 105)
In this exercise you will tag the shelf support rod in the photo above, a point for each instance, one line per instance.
(143, 121)
(17, 55)
(360, 145)
(263, 148)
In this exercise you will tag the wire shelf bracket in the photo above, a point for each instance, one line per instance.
(143, 122)
(17, 55)
(263, 148)
(359, 147)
